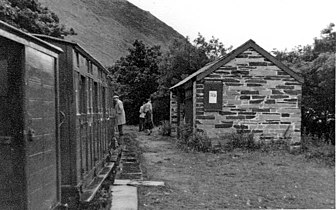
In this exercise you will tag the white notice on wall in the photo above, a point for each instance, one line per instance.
(212, 97)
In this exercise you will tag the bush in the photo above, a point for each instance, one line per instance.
(165, 128)
(318, 150)
(193, 141)
(240, 140)
(246, 141)
(273, 145)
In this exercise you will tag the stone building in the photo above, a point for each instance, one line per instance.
(248, 89)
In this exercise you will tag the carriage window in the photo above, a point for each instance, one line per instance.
(95, 97)
(3, 76)
(91, 68)
(82, 95)
(100, 98)
(89, 98)
(77, 59)
(77, 92)
(104, 100)
(88, 65)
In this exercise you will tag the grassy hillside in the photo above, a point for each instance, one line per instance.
(107, 28)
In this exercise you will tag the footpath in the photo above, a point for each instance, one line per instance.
(129, 174)
(230, 180)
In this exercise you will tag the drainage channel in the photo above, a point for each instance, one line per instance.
(125, 196)
(129, 166)
(128, 177)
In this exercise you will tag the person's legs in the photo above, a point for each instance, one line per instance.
(141, 124)
(120, 130)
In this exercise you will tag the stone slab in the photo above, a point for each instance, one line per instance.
(137, 182)
(124, 197)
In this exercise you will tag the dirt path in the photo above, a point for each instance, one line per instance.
(233, 180)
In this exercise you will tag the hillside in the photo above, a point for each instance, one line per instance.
(107, 28)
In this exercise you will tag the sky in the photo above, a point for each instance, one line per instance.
(272, 24)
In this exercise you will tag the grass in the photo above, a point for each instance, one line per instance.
(317, 150)
(238, 179)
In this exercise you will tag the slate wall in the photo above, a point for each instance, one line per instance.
(257, 95)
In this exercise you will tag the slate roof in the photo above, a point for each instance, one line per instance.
(212, 66)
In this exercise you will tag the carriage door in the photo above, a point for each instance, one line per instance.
(41, 131)
(83, 124)
(11, 167)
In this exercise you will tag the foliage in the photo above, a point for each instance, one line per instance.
(30, 16)
(165, 128)
(135, 77)
(161, 107)
(144, 73)
(193, 141)
(240, 140)
(213, 49)
(316, 64)
(182, 59)
(316, 149)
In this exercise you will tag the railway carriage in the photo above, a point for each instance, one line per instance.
(86, 128)
(29, 134)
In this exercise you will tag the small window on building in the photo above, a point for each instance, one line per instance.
(213, 96)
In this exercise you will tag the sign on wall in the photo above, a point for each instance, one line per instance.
(212, 97)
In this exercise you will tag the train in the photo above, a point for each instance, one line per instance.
(56, 122)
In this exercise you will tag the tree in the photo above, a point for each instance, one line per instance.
(317, 65)
(135, 77)
(213, 49)
(182, 59)
(30, 16)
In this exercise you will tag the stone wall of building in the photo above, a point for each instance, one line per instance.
(257, 96)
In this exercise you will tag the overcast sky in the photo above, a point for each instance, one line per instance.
(272, 24)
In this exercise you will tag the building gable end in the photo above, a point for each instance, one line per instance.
(241, 49)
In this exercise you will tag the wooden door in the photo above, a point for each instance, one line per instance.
(12, 178)
(41, 130)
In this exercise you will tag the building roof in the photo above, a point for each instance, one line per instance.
(19, 36)
(212, 66)
(75, 45)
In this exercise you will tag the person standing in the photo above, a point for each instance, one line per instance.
(148, 109)
(142, 117)
(120, 114)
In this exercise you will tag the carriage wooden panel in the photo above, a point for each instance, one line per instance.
(29, 147)
(84, 124)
